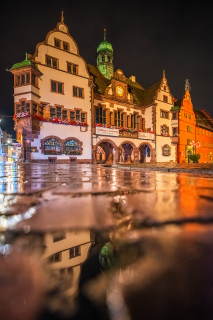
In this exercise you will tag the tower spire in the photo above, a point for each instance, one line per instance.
(164, 74)
(187, 85)
(62, 16)
(105, 33)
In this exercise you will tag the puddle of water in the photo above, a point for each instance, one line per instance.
(82, 242)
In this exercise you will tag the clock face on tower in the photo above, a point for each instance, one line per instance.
(119, 91)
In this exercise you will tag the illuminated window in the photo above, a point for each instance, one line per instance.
(164, 114)
(166, 150)
(164, 130)
(190, 116)
(185, 115)
(74, 252)
(57, 87)
(72, 68)
(52, 62)
(52, 146)
(78, 92)
(189, 128)
(72, 147)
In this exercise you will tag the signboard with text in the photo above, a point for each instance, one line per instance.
(107, 131)
(146, 135)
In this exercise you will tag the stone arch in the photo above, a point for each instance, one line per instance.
(152, 150)
(126, 154)
(110, 149)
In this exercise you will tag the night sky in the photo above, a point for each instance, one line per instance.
(147, 37)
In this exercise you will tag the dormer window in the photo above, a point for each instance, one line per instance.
(65, 46)
(57, 43)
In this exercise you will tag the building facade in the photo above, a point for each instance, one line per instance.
(68, 111)
(193, 128)
(52, 97)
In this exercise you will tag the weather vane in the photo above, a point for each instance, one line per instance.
(187, 85)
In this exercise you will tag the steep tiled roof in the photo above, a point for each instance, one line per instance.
(202, 121)
(141, 96)
(150, 93)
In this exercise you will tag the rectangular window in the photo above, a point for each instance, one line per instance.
(83, 117)
(72, 68)
(18, 80)
(175, 131)
(77, 114)
(164, 114)
(27, 107)
(165, 99)
(58, 112)
(72, 115)
(27, 78)
(174, 116)
(65, 46)
(33, 80)
(98, 115)
(185, 115)
(34, 108)
(190, 116)
(64, 114)
(52, 62)
(78, 92)
(57, 87)
(74, 252)
(58, 236)
(164, 130)
(189, 128)
(23, 79)
(57, 43)
(52, 112)
(122, 119)
(56, 257)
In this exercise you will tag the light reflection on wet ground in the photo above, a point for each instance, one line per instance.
(74, 223)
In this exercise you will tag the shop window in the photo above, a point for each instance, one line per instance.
(52, 146)
(74, 252)
(72, 146)
(166, 150)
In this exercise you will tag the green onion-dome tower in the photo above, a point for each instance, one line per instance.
(105, 58)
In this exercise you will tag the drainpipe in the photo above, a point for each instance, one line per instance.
(91, 84)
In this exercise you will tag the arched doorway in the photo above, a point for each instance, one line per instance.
(104, 152)
(126, 153)
(145, 153)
